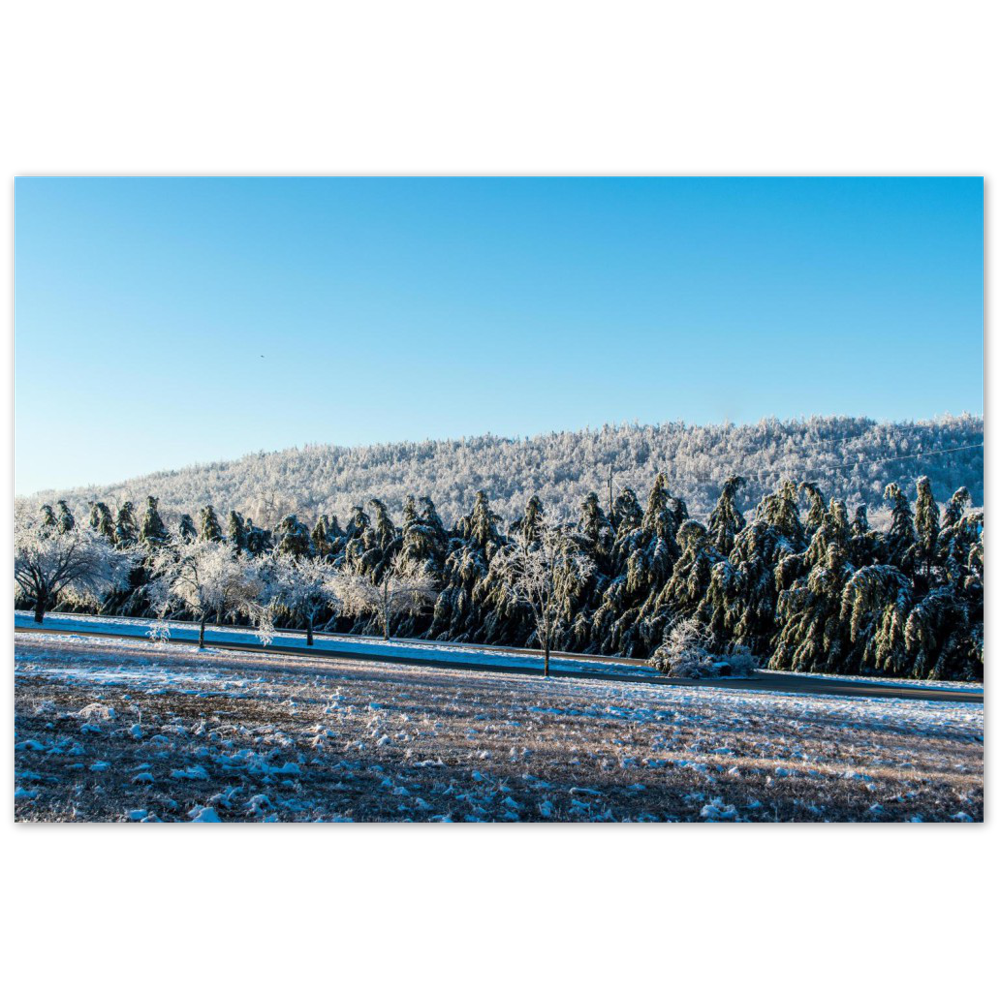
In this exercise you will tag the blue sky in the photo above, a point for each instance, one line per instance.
(399, 309)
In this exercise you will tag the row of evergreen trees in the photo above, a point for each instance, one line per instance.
(799, 581)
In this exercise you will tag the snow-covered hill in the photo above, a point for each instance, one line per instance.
(850, 457)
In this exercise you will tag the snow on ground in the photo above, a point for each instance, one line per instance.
(419, 649)
(108, 729)
(407, 648)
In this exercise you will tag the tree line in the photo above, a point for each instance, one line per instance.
(797, 581)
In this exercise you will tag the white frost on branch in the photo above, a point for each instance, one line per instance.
(296, 585)
(53, 563)
(404, 589)
(543, 569)
(204, 578)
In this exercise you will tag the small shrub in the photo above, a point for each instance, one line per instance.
(685, 653)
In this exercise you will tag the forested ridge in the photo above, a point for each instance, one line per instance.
(801, 580)
(853, 458)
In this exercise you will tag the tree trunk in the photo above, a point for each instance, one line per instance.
(201, 633)
(385, 609)
(40, 609)
(546, 649)
(309, 632)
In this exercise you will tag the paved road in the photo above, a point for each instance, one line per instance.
(455, 656)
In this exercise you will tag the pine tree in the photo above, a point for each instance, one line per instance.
(101, 520)
(236, 531)
(126, 530)
(424, 541)
(293, 538)
(529, 524)
(741, 601)
(927, 523)
(258, 539)
(832, 530)
(186, 529)
(153, 531)
(627, 513)
(939, 639)
(865, 545)
(210, 529)
(65, 520)
(813, 636)
(596, 534)
(457, 615)
(375, 550)
(781, 510)
(482, 526)
(725, 521)
(901, 536)
(685, 591)
(817, 506)
(955, 508)
(431, 521)
(354, 539)
(875, 605)
(595, 539)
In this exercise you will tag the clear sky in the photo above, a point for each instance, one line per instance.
(160, 322)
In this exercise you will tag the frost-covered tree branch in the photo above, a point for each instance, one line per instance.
(541, 566)
(404, 589)
(205, 578)
(299, 586)
(59, 559)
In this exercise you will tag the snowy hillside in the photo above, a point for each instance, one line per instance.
(853, 458)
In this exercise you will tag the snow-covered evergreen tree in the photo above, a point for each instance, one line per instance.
(101, 520)
(901, 535)
(65, 521)
(875, 604)
(153, 531)
(293, 537)
(424, 540)
(813, 635)
(126, 530)
(186, 529)
(209, 529)
(236, 531)
(927, 523)
(326, 535)
(726, 521)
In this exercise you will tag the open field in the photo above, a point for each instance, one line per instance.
(112, 729)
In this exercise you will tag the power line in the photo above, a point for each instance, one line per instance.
(898, 458)
(788, 473)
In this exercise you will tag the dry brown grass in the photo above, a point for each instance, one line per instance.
(378, 742)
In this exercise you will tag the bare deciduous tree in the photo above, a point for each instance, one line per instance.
(52, 561)
(541, 570)
(299, 585)
(405, 588)
(206, 578)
